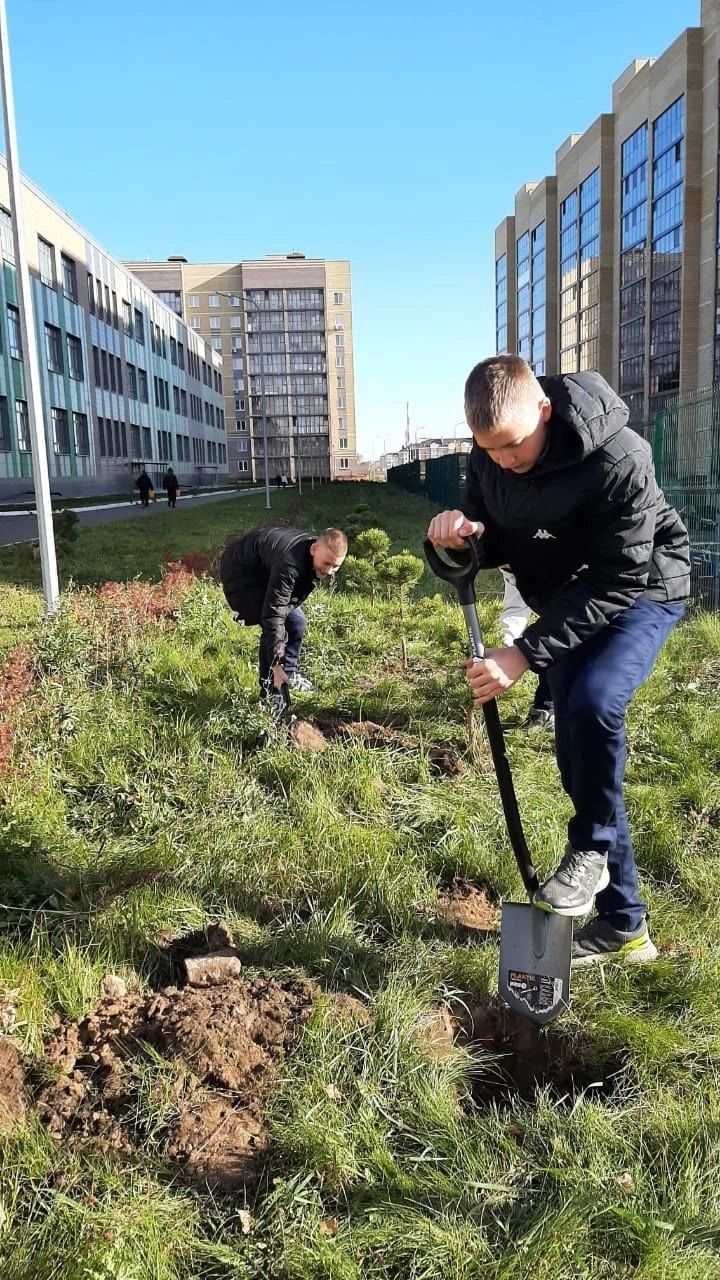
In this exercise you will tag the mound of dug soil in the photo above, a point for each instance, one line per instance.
(183, 1071)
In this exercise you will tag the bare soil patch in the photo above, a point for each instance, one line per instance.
(468, 908)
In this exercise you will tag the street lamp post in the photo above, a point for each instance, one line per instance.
(261, 350)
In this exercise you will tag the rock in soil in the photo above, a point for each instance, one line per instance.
(213, 969)
(213, 1051)
(12, 1078)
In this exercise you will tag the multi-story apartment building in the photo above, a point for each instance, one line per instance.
(283, 326)
(125, 383)
(612, 262)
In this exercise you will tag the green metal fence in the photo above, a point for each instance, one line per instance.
(685, 440)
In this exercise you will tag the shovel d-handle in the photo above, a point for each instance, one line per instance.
(462, 578)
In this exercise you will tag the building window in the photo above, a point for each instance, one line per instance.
(666, 253)
(344, 464)
(127, 319)
(194, 322)
(339, 322)
(69, 277)
(7, 248)
(139, 327)
(342, 442)
(22, 426)
(215, 322)
(213, 300)
(338, 299)
(217, 344)
(82, 435)
(193, 300)
(5, 441)
(243, 465)
(14, 333)
(75, 358)
(633, 267)
(143, 385)
(500, 305)
(53, 348)
(61, 432)
(46, 262)
(236, 322)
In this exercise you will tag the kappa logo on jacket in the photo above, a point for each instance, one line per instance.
(543, 533)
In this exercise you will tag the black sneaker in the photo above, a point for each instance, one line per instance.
(597, 941)
(539, 718)
(571, 890)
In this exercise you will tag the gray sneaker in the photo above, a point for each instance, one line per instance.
(300, 684)
(597, 941)
(571, 890)
(539, 718)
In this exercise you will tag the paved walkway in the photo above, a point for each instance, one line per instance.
(21, 526)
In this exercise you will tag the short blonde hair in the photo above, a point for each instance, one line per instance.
(495, 389)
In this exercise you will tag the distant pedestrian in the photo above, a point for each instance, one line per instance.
(171, 486)
(145, 485)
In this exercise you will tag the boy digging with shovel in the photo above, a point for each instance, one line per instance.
(563, 491)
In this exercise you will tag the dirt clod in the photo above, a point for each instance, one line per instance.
(307, 737)
(208, 1052)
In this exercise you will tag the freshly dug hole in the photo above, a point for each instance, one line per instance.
(528, 1057)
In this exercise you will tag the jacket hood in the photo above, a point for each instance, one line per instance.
(586, 414)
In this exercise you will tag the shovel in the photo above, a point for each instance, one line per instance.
(534, 977)
(282, 712)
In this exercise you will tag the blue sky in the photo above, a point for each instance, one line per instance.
(361, 130)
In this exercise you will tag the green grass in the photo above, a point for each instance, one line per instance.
(148, 792)
(136, 547)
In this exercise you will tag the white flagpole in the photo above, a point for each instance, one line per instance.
(38, 437)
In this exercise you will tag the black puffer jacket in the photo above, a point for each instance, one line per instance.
(272, 571)
(587, 531)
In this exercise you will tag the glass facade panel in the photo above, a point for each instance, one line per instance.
(501, 304)
(633, 260)
(667, 246)
(580, 261)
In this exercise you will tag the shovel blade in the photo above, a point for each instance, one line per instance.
(534, 961)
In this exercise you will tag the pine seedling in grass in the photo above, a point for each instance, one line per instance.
(401, 573)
